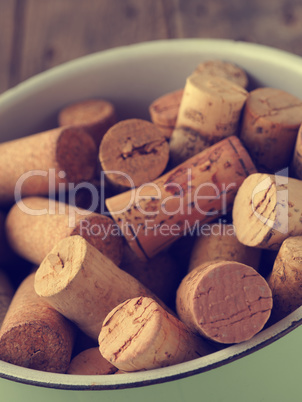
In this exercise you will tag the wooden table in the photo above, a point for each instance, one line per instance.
(36, 35)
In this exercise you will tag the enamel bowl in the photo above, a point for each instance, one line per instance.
(265, 368)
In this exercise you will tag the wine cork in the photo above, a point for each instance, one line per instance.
(164, 110)
(90, 362)
(267, 209)
(296, 164)
(225, 301)
(132, 153)
(198, 191)
(140, 335)
(160, 274)
(35, 225)
(270, 124)
(220, 243)
(210, 111)
(6, 294)
(38, 164)
(33, 334)
(83, 284)
(224, 69)
(95, 116)
(285, 279)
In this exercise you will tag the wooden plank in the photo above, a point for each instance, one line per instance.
(57, 31)
(274, 23)
(7, 15)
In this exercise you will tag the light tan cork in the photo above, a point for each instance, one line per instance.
(132, 153)
(210, 111)
(90, 362)
(267, 209)
(140, 335)
(225, 301)
(198, 191)
(269, 128)
(95, 116)
(164, 110)
(83, 284)
(285, 279)
(35, 335)
(224, 69)
(296, 164)
(37, 164)
(221, 243)
(35, 225)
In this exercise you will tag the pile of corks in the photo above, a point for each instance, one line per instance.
(142, 244)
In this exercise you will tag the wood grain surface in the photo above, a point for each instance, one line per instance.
(36, 35)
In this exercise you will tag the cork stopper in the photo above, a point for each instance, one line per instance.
(269, 128)
(164, 110)
(139, 335)
(285, 280)
(95, 116)
(267, 210)
(133, 152)
(225, 301)
(210, 111)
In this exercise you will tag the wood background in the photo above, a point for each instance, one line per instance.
(36, 35)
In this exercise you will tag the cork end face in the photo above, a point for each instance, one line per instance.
(128, 333)
(224, 69)
(276, 106)
(255, 214)
(76, 154)
(164, 110)
(133, 152)
(37, 346)
(232, 303)
(86, 113)
(68, 255)
(218, 87)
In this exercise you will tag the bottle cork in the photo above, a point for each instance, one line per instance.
(267, 209)
(198, 191)
(160, 274)
(132, 153)
(90, 362)
(95, 116)
(225, 301)
(33, 334)
(269, 128)
(164, 110)
(220, 243)
(6, 294)
(38, 164)
(296, 164)
(83, 284)
(210, 111)
(140, 335)
(224, 69)
(285, 279)
(35, 225)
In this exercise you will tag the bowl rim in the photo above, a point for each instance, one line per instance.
(156, 376)
(265, 337)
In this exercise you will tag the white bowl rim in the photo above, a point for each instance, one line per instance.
(206, 363)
